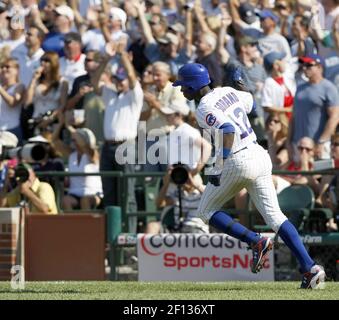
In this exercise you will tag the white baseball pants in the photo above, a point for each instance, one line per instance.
(250, 168)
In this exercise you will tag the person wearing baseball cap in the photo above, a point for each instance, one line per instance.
(312, 59)
(115, 27)
(72, 65)
(120, 74)
(169, 38)
(316, 107)
(271, 58)
(278, 90)
(62, 21)
(117, 14)
(247, 13)
(123, 103)
(268, 14)
(8, 139)
(237, 71)
(177, 28)
(267, 35)
(65, 11)
(84, 192)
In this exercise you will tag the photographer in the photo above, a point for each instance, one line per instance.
(168, 200)
(51, 161)
(39, 195)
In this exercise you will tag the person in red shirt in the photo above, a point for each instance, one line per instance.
(279, 88)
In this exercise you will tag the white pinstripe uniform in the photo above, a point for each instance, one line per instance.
(248, 165)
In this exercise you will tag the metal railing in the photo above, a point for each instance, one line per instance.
(122, 190)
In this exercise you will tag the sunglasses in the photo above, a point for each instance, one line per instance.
(89, 60)
(45, 60)
(281, 6)
(335, 144)
(301, 148)
(6, 67)
(309, 65)
(274, 120)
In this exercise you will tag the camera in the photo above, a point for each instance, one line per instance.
(30, 152)
(179, 174)
(33, 122)
(21, 173)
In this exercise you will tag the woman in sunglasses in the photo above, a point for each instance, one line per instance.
(47, 91)
(277, 128)
(303, 162)
(11, 97)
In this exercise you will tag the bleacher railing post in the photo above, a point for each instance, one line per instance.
(113, 230)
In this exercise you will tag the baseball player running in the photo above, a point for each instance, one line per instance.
(241, 163)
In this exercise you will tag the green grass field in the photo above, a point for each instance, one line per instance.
(168, 291)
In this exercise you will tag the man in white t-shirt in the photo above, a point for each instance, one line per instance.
(123, 107)
(30, 59)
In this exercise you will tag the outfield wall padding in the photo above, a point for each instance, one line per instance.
(65, 247)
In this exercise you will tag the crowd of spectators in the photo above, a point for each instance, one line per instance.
(84, 74)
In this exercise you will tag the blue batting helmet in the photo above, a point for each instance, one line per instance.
(193, 75)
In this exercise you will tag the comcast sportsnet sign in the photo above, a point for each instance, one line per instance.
(197, 257)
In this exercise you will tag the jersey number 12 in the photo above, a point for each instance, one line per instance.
(242, 122)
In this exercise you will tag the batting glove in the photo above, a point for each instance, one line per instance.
(214, 176)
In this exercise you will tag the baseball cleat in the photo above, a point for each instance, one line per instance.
(260, 252)
(314, 279)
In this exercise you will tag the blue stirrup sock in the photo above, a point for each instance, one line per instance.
(290, 236)
(223, 222)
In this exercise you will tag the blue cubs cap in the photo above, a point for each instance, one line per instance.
(247, 13)
(271, 57)
(313, 58)
(263, 14)
(120, 74)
